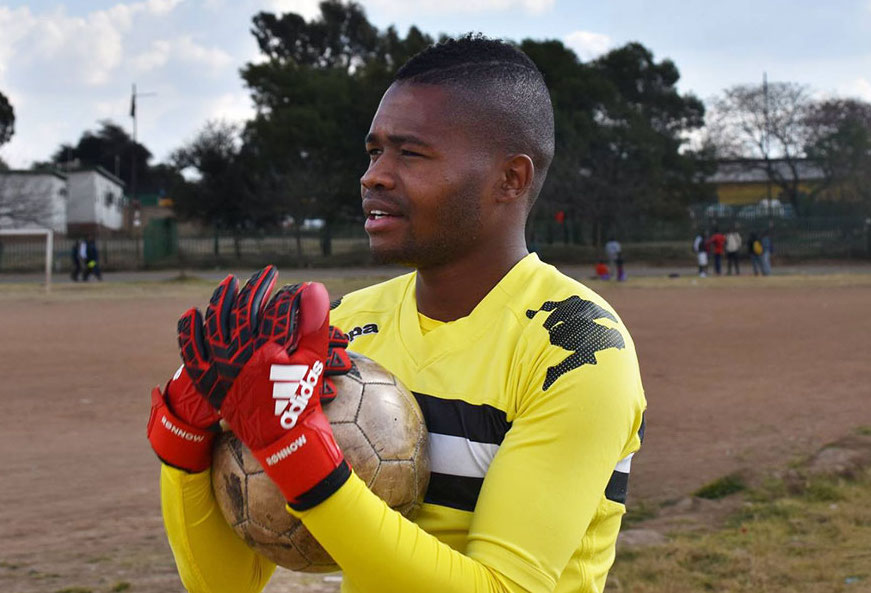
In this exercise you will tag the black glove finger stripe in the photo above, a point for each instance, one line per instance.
(218, 314)
(191, 341)
(261, 289)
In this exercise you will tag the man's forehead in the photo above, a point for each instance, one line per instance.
(420, 110)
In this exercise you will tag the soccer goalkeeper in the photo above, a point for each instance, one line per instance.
(528, 380)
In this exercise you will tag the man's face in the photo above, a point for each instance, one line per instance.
(424, 193)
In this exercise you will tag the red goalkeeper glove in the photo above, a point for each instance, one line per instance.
(274, 367)
(183, 422)
(182, 425)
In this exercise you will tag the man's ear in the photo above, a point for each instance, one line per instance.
(518, 173)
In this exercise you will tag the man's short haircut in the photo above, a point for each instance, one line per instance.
(503, 85)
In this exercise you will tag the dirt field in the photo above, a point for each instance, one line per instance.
(739, 374)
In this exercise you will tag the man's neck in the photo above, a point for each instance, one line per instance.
(453, 290)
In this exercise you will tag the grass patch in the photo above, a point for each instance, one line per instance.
(721, 487)
(864, 430)
(122, 586)
(74, 590)
(801, 543)
(638, 512)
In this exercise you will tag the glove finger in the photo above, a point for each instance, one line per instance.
(250, 304)
(312, 327)
(338, 338)
(338, 362)
(219, 313)
(191, 341)
(278, 323)
(328, 391)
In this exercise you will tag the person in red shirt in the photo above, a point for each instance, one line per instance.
(716, 245)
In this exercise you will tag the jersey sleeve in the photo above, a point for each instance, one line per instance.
(539, 496)
(210, 557)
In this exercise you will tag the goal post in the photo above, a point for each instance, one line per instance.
(49, 247)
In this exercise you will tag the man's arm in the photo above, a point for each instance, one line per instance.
(539, 496)
(210, 557)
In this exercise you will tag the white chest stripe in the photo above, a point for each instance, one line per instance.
(624, 464)
(457, 456)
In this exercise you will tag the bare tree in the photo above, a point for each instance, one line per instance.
(27, 200)
(766, 125)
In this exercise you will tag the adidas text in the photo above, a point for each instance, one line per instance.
(285, 452)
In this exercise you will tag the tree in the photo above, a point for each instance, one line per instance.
(25, 200)
(315, 95)
(765, 123)
(113, 149)
(839, 141)
(7, 120)
(223, 194)
(620, 127)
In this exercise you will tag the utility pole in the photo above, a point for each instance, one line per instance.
(133, 199)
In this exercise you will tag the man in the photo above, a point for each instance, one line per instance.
(733, 245)
(528, 380)
(615, 257)
(716, 245)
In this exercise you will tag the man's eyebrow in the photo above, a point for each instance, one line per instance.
(397, 139)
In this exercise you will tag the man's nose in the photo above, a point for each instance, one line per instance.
(379, 175)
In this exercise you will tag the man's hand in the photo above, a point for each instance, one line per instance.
(182, 425)
(271, 366)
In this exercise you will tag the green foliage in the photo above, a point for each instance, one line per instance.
(7, 120)
(721, 487)
(121, 586)
(620, 124)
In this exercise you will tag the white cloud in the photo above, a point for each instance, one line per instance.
(234, 107)
(464, 6)
(588, 45)
(859, 88)
(308, 9)
(212, 57)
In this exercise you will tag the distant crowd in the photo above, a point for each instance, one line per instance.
(712, 248)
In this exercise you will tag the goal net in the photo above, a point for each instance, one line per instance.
(17, 246)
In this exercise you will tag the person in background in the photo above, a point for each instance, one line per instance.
(733, 244)
(716, 246)
(612, 253)
(767, 250)
(91, 259)
(700, 248)
(754, 248)
(77, 260)
(602, 271)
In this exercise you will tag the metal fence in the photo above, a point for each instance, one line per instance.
(792, 238)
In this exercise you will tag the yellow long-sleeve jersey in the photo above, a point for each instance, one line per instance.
(534, 406)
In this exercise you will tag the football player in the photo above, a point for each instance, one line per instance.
(528, 380)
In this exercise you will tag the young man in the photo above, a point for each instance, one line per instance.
(528, 380)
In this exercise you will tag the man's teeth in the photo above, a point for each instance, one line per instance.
(378, 214)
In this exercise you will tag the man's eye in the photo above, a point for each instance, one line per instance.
(373, 152)
(410, 153)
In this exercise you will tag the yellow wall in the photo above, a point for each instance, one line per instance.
(738, 194)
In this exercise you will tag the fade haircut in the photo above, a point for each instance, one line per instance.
(505, 93)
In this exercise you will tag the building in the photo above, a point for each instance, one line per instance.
(745, 182)
(79, 202)
(96, 202)
(33, 199)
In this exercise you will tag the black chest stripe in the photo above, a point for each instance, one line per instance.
(480, 423)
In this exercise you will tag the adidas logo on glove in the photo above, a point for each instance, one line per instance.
(293, 386)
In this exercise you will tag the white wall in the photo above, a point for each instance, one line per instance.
(95, 199)
(33, 200)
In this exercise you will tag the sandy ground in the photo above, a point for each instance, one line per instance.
(738, 375)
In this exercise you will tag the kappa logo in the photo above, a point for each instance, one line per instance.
(356, 332)
(572, 326)
(293, 386)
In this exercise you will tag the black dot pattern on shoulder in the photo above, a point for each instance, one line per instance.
(572, 326)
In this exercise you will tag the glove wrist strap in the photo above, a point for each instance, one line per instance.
(305, 464)
(176, 442)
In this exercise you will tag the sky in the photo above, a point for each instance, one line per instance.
(66, 65)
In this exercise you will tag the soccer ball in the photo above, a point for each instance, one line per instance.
(380, 429)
